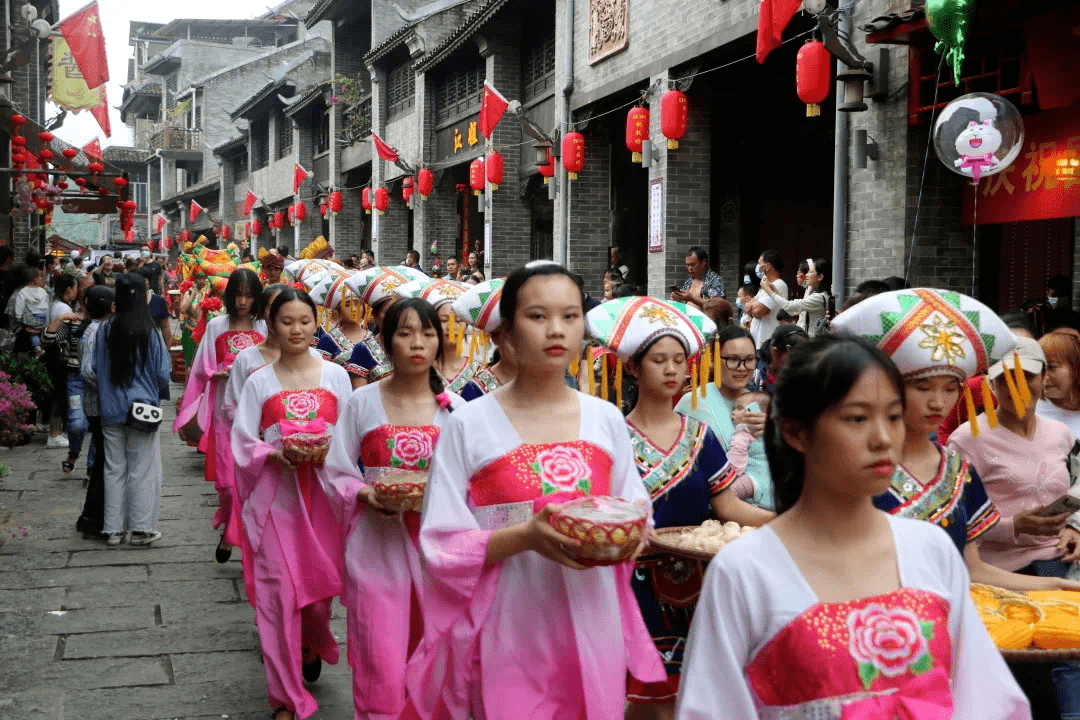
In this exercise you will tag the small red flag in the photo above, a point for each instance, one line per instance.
(492, 108)
(384, 151)
(196, 208)
(86, 39)
(299, 175)
(93, 149)
(249, 202)
(773, 17)
(101, 114)
(159, 222)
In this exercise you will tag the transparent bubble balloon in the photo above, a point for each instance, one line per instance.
(978, 135)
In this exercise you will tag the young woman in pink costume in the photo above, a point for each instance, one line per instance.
(289, 523)
(514, 627)
(226, 335)
(388, 426)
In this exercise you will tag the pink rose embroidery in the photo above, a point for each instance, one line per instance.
(562, 469)
(410, 448)
(240, 342)
(301, 406)
(889, 642)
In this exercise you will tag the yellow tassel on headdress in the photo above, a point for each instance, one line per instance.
(1014, 393)
(1021, 382)
(618, 384)
(575, 366)
(603, 377)
(706, 359)
(324, 318)
(459, 344)
(970, 402)
(451, 329)
(587, 359)
(718, 373)
(473, 344)
(693, 386)
(988, 403)
(367, 315)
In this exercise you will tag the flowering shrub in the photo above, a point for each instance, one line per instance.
(15, 408)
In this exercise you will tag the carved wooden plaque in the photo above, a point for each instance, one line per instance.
(609, 28)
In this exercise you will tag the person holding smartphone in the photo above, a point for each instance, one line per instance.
(703, 282)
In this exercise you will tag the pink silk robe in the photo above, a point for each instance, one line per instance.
(526, 637)
(383, 576)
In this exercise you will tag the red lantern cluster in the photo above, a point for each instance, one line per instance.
(127, 213)
(407, 190)
(382, 199)
(673, 115)
(637, 131)
(813, 76)
(425, 182)
(477, 177)
(365, 200)
(494, 165)
(335, 202)
(573, 148)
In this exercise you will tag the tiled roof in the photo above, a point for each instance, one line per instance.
(125, 154)
(230, 144)
(390, 43)
(258, 96)
(193, 191)
(317, 12)
(307, 98)
(460, 35)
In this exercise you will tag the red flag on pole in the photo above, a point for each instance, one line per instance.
(492, 108)
(101, 114)
(773, 17)
(196, 208)
(299, 175)
(159, 222)
(93, 149)
(384, 151)
(249, 202)
(84, 36)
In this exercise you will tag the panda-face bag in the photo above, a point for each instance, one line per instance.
(144, 417)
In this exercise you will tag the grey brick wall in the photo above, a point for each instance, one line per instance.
(587, 252)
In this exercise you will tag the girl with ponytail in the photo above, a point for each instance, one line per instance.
(388, 426)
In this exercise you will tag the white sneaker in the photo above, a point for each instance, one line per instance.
(59, 441)
(141, 538)
(113, 539)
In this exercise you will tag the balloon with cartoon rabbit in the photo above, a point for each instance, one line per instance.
(979, 134)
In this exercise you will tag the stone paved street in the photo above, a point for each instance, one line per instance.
(128, 633)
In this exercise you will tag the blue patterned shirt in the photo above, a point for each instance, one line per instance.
(712, 286)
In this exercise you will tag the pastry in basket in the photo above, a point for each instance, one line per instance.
(306, 442)
(608, 528)
(401, 490)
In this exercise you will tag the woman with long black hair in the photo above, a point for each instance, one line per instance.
(130, 367)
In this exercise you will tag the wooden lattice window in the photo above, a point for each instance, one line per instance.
(284, 135)
(240, 167)
(401, 90)
(538, 69)
(458, 92)
(260, 144)
(320, 124)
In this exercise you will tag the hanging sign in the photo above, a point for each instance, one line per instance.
(656, 215)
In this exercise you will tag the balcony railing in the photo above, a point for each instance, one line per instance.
(164, 136)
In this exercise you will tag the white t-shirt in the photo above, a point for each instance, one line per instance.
(762, 328)
(1068, 418)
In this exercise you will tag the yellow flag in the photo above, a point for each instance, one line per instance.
(69, 89)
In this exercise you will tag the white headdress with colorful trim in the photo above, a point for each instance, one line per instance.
(331, 290)
(379, 283)
(438, 291)
(626, 325)
(479, 306)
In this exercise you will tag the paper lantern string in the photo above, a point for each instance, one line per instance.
(970, 403)
(988, 403)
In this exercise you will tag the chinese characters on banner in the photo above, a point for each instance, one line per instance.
(1044, 181)
(656, 215)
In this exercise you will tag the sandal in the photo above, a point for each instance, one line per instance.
(68, 466)
(222, 554)
(275, 711)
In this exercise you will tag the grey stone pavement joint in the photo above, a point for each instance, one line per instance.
(89, 632)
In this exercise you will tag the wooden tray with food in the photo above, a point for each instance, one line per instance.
(700, 542)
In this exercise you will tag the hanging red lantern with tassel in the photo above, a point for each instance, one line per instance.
(425, 182)
(335, 202)
(247, 230)
(300, 212)
(292, 215)
(548, 171)
(256, 227)
(226, 231)
(382, 199)
(120, 182)
(167, 242)
(494, 165)
(69, 153)
(407, 190)
(185, 236)
(813, 76)
(673, 115)
(365, 200)
(637, 131)
(324, 208)
(573, 148)
(477, 179)
(279, 219)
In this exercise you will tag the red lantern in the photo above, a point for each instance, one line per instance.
(382, 199)
(548, 171)
(129, 236)
(69, 153)
(425, 182)
(256, 227)
(407, 190)
(292, 215)
(46, 136)
(279, 219)
(494, 166)
(335, 202)
(573, 149)
(323, 208)
(813, 76)
(152, 245)
(18, 120)
(103, 191)
(247, 230)
(673, 114)
(477, 178)
(18, 140)
(365, 200)
(185, 237)
(637, 131)
(301, 211)
(45, 155)
(81, 182)
(226, 231)
(96, 167)
(62, 184)
(167, 242)
(120, 182)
